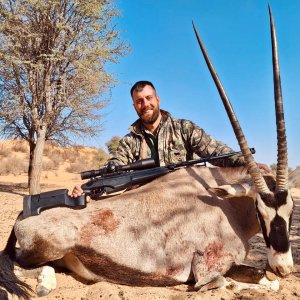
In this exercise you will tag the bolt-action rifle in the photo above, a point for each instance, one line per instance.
(109, 179)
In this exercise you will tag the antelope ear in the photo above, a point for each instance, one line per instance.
(231, 190)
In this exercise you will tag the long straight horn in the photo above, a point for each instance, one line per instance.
(250, 162)
(282, 160)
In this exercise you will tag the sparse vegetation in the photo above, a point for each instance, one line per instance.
(49, 165)
(4, 150)
(53, 57)
(14, 160)
(274, 168)
(20, 146)
(99, 158)
(13, 165)
(84, 160)
(294, 178)
(75, 167)
(113, 144)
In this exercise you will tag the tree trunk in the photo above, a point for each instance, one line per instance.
(31, 152)
(35, 162)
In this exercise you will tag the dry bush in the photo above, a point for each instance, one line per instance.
(54, 153)
(294, 178)
(79, 148)
(80, 165)
(49, 165)
(57, 160)
(50, 149)
(13, 165)
(87, 160)
(4, 150)
(20, 146)
(77, 167)
(64, 154)
(55, 156)
(76, 153)
(71, 154)
(99, 158)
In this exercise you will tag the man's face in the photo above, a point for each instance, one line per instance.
(146, 104)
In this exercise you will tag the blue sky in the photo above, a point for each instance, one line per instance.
(237, 37)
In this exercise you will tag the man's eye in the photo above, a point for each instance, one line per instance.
(149, 97)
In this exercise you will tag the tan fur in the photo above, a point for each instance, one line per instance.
(151, 235)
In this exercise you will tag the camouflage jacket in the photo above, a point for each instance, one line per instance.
(176, 140)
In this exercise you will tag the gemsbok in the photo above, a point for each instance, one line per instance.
(191, 224)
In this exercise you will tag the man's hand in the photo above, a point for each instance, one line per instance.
(77, 191)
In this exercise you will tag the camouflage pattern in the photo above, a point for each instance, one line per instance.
(176, 140)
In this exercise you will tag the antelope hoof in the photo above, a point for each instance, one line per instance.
(213, 280)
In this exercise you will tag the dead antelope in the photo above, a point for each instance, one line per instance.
(192, 224)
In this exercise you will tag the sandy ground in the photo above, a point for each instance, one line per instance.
(12, 189)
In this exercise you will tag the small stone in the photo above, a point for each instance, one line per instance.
(271, 276)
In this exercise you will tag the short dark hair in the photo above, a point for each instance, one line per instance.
(139, 85)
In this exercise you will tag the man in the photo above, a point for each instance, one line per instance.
(158, 135)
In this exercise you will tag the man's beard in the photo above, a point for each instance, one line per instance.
(150, 119)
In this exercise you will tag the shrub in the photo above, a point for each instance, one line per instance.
(76, 167)
(99, 158)
(13, 165)
(71, 154)
(294, 178)
(49, 165)
(57, 160)
(83, 160)
(20, 146)
(4, 150)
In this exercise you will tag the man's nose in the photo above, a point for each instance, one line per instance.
(145, 102)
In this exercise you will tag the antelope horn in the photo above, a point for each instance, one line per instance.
(252, 167)
(282, 160)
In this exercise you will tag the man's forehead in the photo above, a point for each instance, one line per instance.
(147, 89)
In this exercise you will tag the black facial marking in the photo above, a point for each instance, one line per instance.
(281, 197)
(263, 227)
(274, 200)
(290, 219)
(268, 199)
(279, 236)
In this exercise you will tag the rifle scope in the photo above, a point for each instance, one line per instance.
(138, 165)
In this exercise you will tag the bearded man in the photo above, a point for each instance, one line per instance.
(158, 135)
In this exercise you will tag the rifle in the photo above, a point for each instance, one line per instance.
(109, 180)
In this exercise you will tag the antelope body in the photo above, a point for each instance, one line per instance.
(148, 236)
(194, 223)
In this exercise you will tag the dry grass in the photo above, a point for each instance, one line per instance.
(94, 159)
(20, 146)
(4, 149)
(294, 178)
(13, 165)
(14, 158)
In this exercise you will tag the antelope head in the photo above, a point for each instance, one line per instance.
(274, 207)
